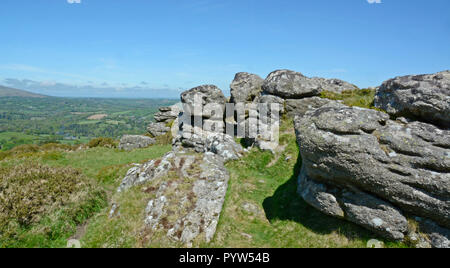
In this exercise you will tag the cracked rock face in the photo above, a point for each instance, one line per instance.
(293, 85)
(361, 166)
(423, 97)
(149, 171)
(246, 87)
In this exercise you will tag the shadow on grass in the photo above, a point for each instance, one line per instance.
(286, 204)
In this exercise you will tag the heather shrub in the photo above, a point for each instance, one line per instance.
(42, 204)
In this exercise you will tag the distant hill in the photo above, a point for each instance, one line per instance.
(12, 92)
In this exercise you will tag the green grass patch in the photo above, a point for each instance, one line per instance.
(100, 163)
(361, 97)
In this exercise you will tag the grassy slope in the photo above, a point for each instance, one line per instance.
(280, 218)
(106, 167)
(100, 162)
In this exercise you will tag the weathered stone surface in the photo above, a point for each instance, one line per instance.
(246, 88)
(334, 85)
(388, 167)
(167, 114)
(224, 146)
(207, 95)
(210, 190)
(149, 171)
(299, 107)
(439, 237)
(130, 142)
(422, 97)
(157, 129)
(268, 99)
(293, 85)
(204, 141)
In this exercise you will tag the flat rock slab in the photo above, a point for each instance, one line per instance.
(189, 191)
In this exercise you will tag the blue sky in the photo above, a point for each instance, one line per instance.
(146, 48)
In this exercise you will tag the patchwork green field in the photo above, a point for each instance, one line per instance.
(72, 121)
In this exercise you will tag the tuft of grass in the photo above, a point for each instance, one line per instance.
(42, 205)
(122, 231)
(165, 139)
(360, 97)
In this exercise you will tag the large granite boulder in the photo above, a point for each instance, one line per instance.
(359, 165)
(293, 85)
(131, 142)
(422, 97)
(199, 98)
(246, 88)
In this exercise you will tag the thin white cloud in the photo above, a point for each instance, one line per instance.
(374, 1)
(34, 69)
(74, 1)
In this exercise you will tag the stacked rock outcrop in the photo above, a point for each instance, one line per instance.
(166, 118)
(366, 167)
(190, 182)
